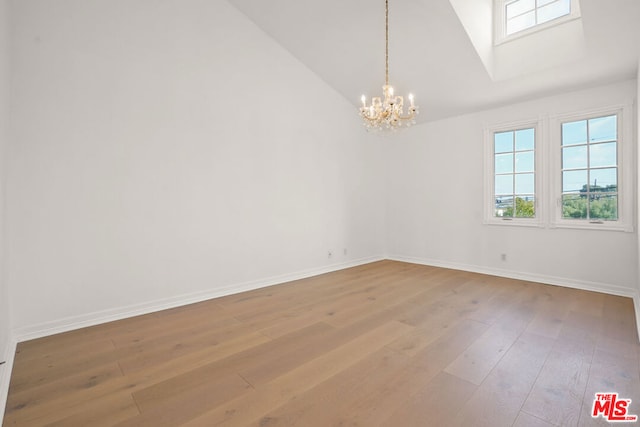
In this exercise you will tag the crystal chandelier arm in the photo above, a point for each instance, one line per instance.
(409, 116)
(398, 109)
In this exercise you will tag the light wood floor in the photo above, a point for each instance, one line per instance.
(384, 344)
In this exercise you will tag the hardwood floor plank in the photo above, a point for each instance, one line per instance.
(37, 396)
(614, 346)
(577, 341)
(486, 352)
(216, 389)
(64, 342)
(375, 406)
(260, 355)
(319, 289)
(338, 392)
(88, 356)
(327, 304)
(590, 303)
(24, 415)
(436, 294)
(497, 401)
(549, 321)
(526, 420)
(559, 390)
(159, 351)
(436, 404)
(51, 353)
(499, 302)
(256, 405)
(208, 319)
(351, 311)
(104, 413)
(186, 404)
(293, 323)
(479, 359)
(435, 326)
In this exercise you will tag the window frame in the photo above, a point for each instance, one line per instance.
(625, 156)
(500, 22)
(489, 178)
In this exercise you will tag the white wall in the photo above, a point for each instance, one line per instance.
(637, 299)
(145, 170)
(4, 116)
(6, 343)
(169, 151)
(435, 205)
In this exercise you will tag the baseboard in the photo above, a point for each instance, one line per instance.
(95, 318)
(636, 304)
(529, 277)
(5, 375)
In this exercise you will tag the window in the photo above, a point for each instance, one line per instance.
(511, 182)
(590, 169)
(516, 18)
(523, 14)
(569, 171)
(514, 169)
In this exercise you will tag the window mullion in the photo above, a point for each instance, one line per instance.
(588, 172)
(513, 168)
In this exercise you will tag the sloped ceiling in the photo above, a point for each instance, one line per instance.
(432, 54)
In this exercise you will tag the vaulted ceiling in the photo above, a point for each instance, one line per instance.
(436, 54)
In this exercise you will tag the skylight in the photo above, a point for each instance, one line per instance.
(524, 14)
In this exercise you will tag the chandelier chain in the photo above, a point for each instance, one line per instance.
(386, 46)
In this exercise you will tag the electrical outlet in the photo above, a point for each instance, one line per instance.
(329, 254)
(503, 257)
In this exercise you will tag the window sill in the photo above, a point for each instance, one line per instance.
(600, 226)
(519, 222)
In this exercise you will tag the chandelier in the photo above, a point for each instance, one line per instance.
(387, 113)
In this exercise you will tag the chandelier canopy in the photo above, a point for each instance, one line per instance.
(387, 112)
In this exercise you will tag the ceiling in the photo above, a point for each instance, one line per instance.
(432, 54)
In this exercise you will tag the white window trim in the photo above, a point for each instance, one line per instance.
(625, 150)
(489, 174)
(500, 23)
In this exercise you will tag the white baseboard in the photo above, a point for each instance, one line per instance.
(5, 375)
(530, 277)
(636, 304)
(95, 318)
